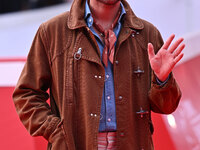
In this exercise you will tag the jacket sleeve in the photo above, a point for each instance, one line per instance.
(163, 99)
(30, 94)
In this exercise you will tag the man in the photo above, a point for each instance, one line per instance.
(103, 77)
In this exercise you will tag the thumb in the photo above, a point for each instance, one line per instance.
(151, 52)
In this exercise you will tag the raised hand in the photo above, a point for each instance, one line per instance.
(167, 57)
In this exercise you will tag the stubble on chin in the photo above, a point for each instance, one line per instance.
(109, 2)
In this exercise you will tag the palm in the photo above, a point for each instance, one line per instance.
(164, 61)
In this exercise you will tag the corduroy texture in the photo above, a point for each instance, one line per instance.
(71, 121)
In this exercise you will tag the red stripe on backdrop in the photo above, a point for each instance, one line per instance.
(13, 135)
(186, 133)
(161, 137)
(21, 59)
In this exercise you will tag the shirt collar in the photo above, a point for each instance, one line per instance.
(87, 9)
(88, 16)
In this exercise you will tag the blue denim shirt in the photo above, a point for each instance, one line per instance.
(108, 110)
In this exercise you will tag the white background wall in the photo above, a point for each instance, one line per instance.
(181, 17)
(170, 16)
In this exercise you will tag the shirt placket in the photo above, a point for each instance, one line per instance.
(109, 99)
(108, 112)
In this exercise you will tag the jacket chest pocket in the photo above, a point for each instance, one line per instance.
(88, 70)
(88, 78)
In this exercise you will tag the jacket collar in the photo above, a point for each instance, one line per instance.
(77, 14)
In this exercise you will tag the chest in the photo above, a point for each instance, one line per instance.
(130, 60)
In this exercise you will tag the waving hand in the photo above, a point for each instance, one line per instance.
(167, 57)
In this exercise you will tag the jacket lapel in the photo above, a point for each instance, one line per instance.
(76, 21)
(76, 16)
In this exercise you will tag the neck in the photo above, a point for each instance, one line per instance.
(104, 13)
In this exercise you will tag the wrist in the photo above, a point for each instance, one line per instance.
(162, 83)
(161, 77)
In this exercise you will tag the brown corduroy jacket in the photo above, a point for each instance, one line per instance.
(65, 59)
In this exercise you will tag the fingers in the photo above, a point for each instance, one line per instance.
(168, 42)
(179, 50)
(151, 52)
(176, 48)
(175, 45)
(178, 58)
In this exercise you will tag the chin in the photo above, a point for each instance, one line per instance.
(109, 2)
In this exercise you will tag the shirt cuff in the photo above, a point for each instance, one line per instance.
(162, 83)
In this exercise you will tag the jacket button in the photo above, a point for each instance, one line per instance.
(93, 115)
(120, 97)
(116, 62)
(102, 34)
(122, 134)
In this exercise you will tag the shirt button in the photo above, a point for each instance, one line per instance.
(101, 116)
(90, 20)
(106, 78)
(109, 119)
(108, 97)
